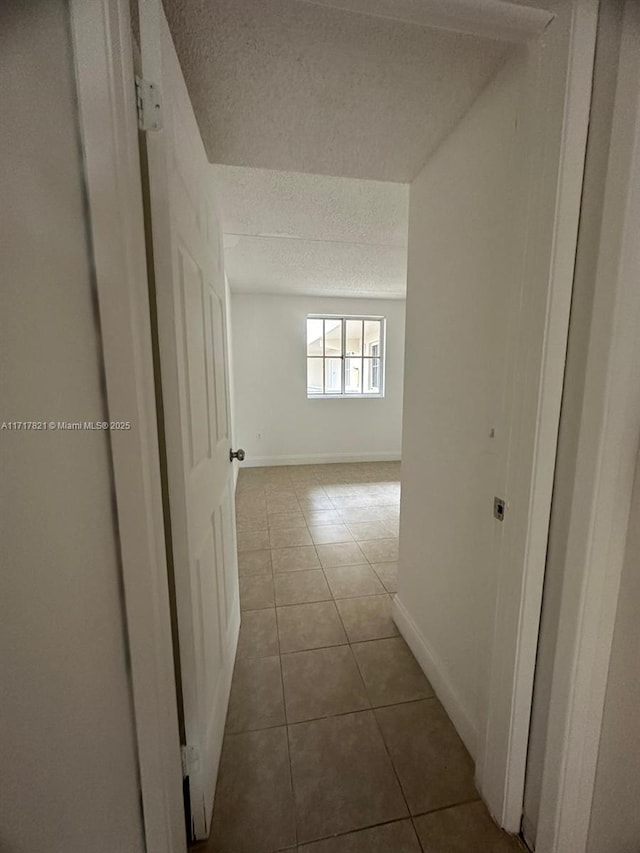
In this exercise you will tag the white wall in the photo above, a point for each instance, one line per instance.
(67, 751)
(462, 277)
(275, 423)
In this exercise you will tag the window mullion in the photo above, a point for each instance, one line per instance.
(343, 362)
(362, 358)
(381, 357)
(324, 357)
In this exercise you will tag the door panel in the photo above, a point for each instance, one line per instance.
(197, 357)
(217, 325)
(190, 294)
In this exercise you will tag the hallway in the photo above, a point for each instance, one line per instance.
(335, 742)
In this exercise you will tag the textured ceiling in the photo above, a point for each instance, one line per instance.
(289, 85)
(312, 234)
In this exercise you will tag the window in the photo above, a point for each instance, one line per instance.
(345, 356)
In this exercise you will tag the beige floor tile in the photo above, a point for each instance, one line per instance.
(256, 592)
(258, 634)
(250, 496)
(380, 550)
(294, 559)
(388, 574)
(286, 520)
(396, 837)
(342, 777)
(394, 526)
(301, 474)
(253, 541)
(316, 502)
(319, 517)
(280, 490)
(309, 491)
(253, 809)
(390, 672)
(256, 700)
(335, 490)
(367, 618)
(254, 563)
(309, 626)
(282, 503)
(464, 829)
(250, 523)
(251, 501)
(353, 515)
(327, 534)
(351, 581)
(289, 538)
(249, 478)
(364, 530)
(433, 766)
(350, 501)
(301, 587)
(322, 682)
(343, 554)
(276, 474)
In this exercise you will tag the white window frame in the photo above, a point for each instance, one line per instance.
(351, 395)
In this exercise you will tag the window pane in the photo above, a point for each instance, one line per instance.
(314, 337)
(353, 376)
(333, 337)
(333, 376)
(372, 376)
(353, 344)
(372, 337)
(314, 376)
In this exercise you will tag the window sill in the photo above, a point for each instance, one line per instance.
(345, 396)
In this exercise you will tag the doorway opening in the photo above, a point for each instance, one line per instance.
(506, 430)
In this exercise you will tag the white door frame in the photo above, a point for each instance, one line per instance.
(607, 447)
(102, 46)
(108, 124)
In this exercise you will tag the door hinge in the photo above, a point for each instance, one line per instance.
(149, 105)
(499, 508)
(190, 760)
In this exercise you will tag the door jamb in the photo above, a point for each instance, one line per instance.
(101, 32)
(607, 448)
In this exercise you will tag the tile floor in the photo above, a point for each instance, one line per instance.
(335, 742)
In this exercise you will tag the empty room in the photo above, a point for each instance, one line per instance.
(324, 542)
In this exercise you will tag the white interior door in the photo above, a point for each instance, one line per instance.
(190, 293)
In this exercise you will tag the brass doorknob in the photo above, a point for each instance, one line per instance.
(237, 454)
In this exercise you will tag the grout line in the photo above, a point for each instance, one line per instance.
(477, 799)
(354, 831)
(393, 766)
(325, 717)
(415, 832)
(286, 728)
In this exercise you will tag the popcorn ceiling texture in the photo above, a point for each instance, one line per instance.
(284, 84)
(318, 269)
(312, 234)
(262, 201)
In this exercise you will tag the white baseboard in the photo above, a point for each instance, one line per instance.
(437, 675)
(319, 459)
